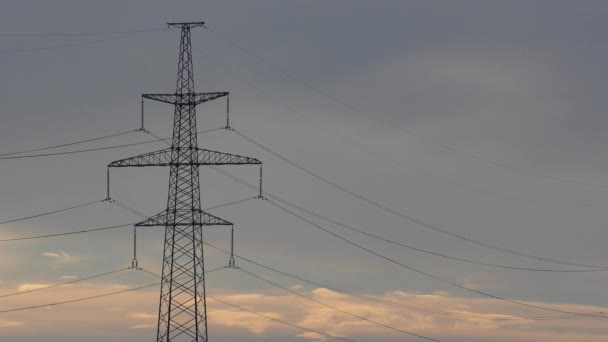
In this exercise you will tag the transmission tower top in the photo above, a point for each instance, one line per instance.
(188, 24)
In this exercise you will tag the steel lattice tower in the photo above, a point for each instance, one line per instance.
(182, 314)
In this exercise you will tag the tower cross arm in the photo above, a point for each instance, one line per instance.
(183, 218)
(184, 156)
(191, 99)
(188, 25)
(157, 158)
(208, 157)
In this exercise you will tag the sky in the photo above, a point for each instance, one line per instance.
(482, 118)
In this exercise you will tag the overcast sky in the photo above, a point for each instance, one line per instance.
(506, 101)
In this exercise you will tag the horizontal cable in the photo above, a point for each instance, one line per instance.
(295, 206)
(52, 212)
(34, 237)
(129, 224)
(231, 203)
(96, 229)
(62, 46)
(334, 307)
(404, 216)
(72, 34)
(82, 299)
(392, 303)
(423, 272)
(69, 144)
(139, 213)
(377, 118)
(123, 206)
(279, 320)
(377, 237)
(98, 148)
(64, 283)
(570, 315)
(350, 141)
(127, 208)
(78, 299)
(257, 313)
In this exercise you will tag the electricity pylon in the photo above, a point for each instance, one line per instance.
(182, 314)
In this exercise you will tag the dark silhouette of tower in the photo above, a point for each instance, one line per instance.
(182, 314)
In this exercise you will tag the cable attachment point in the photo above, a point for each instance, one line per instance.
(228, 128)
(260, 191)
(142, 128)
(135, 266)
(231, 261)
(134, 262)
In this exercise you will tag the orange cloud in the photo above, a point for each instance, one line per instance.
(9, 324)
(116, 317)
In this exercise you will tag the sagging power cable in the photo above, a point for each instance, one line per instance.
(114, 135)
(70, 45)
(493, 317)
(332, 221)
(64, 283)
(429, 275)
(86, 204)
(350, 141)
(87, 298)
(384, 122)
(404, 216)
(97, 149)
(270, 282)
(260, 314)
(73, 34)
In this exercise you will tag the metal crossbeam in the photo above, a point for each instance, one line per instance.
(188, 99)
(202, 219)
(203, 157)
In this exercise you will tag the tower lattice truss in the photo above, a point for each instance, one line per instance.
(182, 314)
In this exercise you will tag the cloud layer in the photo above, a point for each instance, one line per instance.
(134, 314)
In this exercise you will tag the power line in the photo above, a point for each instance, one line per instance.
(334, 307)
(218, 206)
(260, 314)
(78, 299)
(231, 203)
(392, 303)
(123, 206)
(423, 272)
(377, 237)
(64, 283)
(377, 118)
(72, 34)
(62, 46)
(399, 164)
(82, 299)
(67, 233)
(98, 148)
(126, 207)
(404, 216)
(332, 221)
(52, 212)
(279, 320)
(69, 144)
(78, 151)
